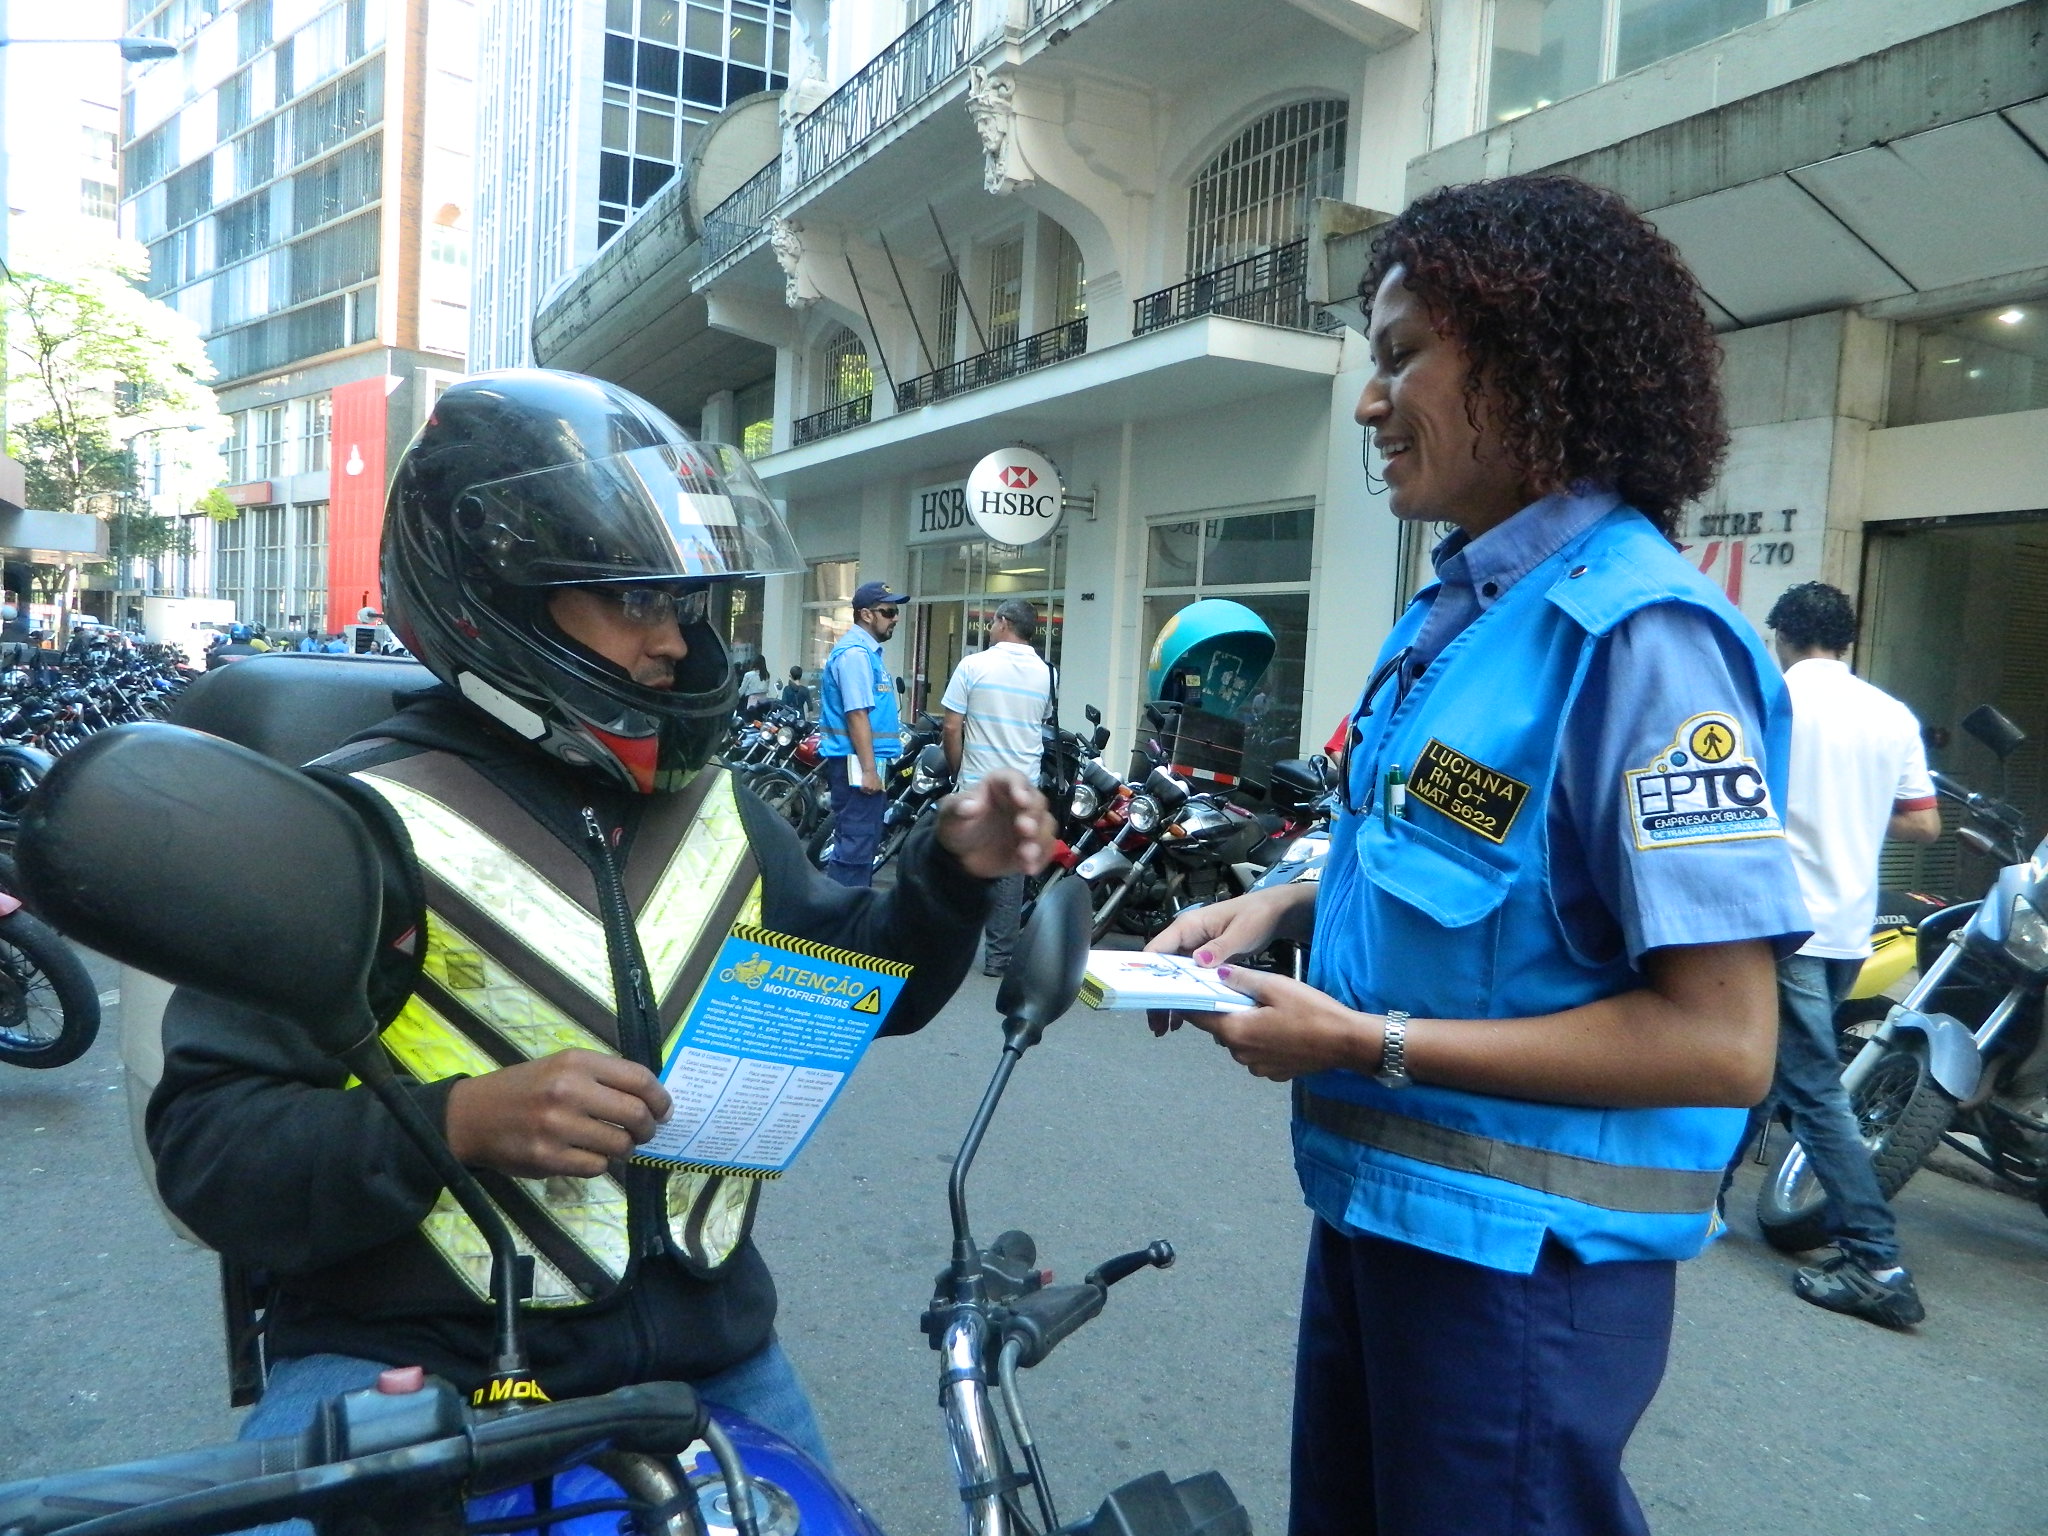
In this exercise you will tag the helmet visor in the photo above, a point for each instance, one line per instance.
(679, 511)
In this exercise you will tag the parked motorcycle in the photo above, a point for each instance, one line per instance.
(49, 1007)
(915, 780)
(409, 1455)
(1965, 1051)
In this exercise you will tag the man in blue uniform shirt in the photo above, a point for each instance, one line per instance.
(858, 734)
(1541, 992)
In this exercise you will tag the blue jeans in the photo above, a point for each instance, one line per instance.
(856, 827)
(1808, 1089)
(763, 1387)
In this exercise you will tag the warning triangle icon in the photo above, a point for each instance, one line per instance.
(872, 1003)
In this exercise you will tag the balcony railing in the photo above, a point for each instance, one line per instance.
(1043, 11)
(1020, 356)
(843, 417)
(932, 51)
(740, 217)
(1271, 287)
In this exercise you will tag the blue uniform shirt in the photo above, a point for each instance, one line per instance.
(855, 678)
(1658, 667)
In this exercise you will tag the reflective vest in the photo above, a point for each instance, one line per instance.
(833, 740)
(516, 966)
(1448, 912)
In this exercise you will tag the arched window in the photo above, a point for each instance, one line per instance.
(1255, 194)
(847, 375)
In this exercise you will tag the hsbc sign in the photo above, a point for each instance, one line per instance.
(1015, 496)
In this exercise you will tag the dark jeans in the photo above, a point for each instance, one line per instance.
(1005, 909)
(1433, 1397)
(1808, 1089)
(856, 827)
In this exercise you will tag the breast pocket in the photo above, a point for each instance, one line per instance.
(1433, 919)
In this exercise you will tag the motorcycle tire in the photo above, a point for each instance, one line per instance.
(1108, 900)
(1856, 1021)
(1902, 1113)
(782, 793)
(49, 1007)
(819, 849)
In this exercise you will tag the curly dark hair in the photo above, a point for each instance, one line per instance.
(1584, 320)
(1814, 616)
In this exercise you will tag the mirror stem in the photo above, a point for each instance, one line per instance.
(369, 1063)
(966, 1257)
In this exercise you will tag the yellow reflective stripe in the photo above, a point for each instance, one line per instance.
(532, 908)
(523, 1017)
(689, 889)
(456, 1238)
(750, 909)
(431, 1048)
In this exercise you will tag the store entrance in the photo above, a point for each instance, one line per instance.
(1955, 616)
(954, 592)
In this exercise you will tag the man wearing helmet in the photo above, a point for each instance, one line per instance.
(561, 867)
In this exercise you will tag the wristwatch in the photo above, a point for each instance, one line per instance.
(1393, 1072)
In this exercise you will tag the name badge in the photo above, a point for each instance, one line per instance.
(1476, 797)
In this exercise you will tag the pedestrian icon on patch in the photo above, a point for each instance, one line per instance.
(872, 1003)
(1712, 742)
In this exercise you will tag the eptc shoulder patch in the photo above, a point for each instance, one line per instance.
(1473, 795)
(1702, 788)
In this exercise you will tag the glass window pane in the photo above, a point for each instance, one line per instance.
(1543, 51)
(1981, 364)
(706, 30)
(703, 80)
(1272, 719)
(618, 15)
(1656, 29)
(749, 42)
(1028, 569)
(780, 63)
(658, 20)
(832, 581)
(658, 66)
(615, 120)
(1270, 547)
(657, 135)
(1171, 554)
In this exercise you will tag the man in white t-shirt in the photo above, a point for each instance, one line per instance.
(995, 707)
(1858, 774)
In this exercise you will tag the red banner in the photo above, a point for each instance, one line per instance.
(355, 499)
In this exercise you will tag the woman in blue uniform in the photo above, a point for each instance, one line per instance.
(1540, 994)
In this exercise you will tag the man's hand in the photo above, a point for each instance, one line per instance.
(999, 827)
(569, 1113)
(1294, 1031)
(1244, 925)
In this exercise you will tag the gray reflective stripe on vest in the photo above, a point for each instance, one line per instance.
(1611, 1186)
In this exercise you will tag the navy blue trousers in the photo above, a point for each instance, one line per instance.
(856, 827)
(1433, 1397)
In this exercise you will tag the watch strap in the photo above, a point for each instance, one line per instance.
(1393, 1068)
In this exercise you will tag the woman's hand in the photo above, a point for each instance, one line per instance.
(1244, 925)
(1295, 1031)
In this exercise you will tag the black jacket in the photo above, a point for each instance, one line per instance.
(263, 1154)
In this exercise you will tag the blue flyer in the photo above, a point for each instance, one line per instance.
(771, 1037)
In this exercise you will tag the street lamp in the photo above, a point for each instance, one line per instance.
(136, 50)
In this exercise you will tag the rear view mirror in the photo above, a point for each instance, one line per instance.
(1045, 972)
(1995, 730)
(191, 858)
(901, 686)
(1094, 715)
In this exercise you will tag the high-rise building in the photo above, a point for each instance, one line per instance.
(301, 174)
(588, 108)
(63, 112)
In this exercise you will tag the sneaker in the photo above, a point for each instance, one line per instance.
(1841, 1284)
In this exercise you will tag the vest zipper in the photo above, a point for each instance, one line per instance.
(638, 1022)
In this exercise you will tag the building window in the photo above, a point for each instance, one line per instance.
(1005, 291)
(1545, 50)
(1069, 279)
(754, 410)
(954, 591)
(947, 332)
(847, 375)
(230, 562)
(98, 199)
(316, 430)
(237, 450)
(1255, 194)
(1260, 559)
(308, 596)
(267, 446)
(828, 609)
(1985, 363)
(669, 68)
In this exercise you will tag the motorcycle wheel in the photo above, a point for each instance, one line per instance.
(49, 1008)
(1901, 1112)
(779, 789)
(1108, 901)
(819, 849)
(1856, 1021)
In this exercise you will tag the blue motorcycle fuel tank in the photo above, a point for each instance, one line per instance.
(792, 1492)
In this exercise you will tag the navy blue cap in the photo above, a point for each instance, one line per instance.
(872, 594)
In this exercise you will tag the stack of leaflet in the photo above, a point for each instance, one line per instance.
(1119, 978)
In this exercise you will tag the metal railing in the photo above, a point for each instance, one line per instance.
(1271, 287)
(998, 363)
(1043, 11)
(843, 417)
(742, 216)
(934, 49)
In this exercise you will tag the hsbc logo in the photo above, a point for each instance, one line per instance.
(1019, 477)
(1015, 496)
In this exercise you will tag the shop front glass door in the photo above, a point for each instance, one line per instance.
(956, 588)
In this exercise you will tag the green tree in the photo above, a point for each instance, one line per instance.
(91, 363)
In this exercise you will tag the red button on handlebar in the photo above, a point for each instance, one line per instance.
(401, 1379)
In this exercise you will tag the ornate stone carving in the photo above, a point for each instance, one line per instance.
(786, 240)
(990, 103)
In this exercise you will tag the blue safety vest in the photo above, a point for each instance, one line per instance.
(882, 719)
(1449, 913)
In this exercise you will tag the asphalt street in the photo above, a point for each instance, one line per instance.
(1774, 1417)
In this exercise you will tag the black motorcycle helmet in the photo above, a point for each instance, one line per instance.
(526, 480)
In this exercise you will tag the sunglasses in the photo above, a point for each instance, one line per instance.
(652, 606)
(887, 613)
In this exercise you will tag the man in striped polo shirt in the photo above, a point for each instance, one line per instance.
(995, 705)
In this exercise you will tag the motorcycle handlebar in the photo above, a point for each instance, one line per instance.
(232, 1487)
